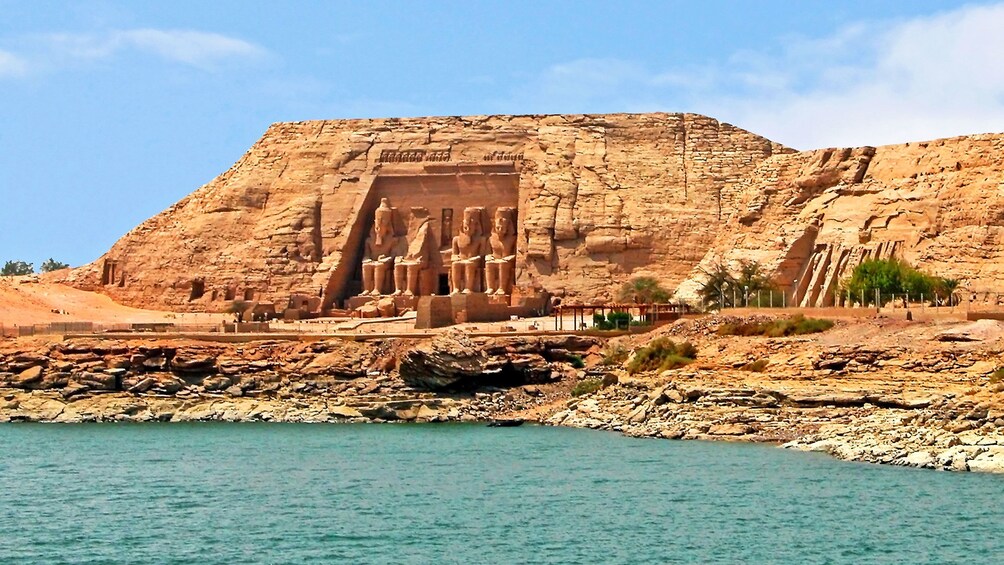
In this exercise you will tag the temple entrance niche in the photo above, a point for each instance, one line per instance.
(433, 234)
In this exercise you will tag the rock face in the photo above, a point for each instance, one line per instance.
(597, 199)
(454, 361)
(323, 381)
(446, 362)
(809, 218)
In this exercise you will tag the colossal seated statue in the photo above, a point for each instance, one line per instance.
(409, 267)
(382, 246)
(469, 248)
(501, 261)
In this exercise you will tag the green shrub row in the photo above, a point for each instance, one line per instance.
(892, 276)
(794, 325)
(662, 354)
(613, 320)
(614, 355)
(586, 386)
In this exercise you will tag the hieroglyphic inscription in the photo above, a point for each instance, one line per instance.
(502, 156)
(413, 155)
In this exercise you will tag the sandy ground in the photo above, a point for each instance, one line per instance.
(27, 301)
(23, 302)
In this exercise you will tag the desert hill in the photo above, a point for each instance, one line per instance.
(598, 199)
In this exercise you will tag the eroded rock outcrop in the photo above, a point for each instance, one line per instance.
(324, 381)
(809, 218)
(455, 361)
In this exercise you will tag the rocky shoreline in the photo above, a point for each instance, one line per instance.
(941, 433)
(876, 391)
(450, 378)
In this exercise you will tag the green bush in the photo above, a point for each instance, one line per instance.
(586, 386)
(722, 289)
(51, 265)
(614, 355)
(997, 376)
(576, 361)
(643, 290)
(17, 268)
(687, 349)
(757, 366)
(612, 321)
(660, 355)
(794, 325)
(892, 276)
(600, 322)
(619, 320)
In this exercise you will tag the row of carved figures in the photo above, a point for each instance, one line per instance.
(479, 261)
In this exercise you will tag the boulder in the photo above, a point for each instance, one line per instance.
(344, 412)
(138, 385)
(187, 363)
(427, 414)
(449, 360)
(217, 383)
(729, 429)
(980, 330)
(23, 361)
(37, 378)
(155, 364)
(343, 364)
(452, 360)
(991, 461)
(170, 384)
(73, 389)
(96, 381)
(28, 378)
(922, 459)
(385, 307)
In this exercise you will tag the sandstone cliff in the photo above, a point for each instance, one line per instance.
(599, 198)
(810, 217)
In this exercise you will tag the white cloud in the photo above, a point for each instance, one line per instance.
(195, 48)
(199, 49)
(870, 83)
(11, 65)
(924, 78)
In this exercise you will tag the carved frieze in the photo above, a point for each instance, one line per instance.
(413, 156)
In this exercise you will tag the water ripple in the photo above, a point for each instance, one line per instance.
(277, 493)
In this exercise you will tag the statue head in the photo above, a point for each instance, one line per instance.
(383, 221)
(472, 222)
(504, 222)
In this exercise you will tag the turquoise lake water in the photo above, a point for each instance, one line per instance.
(289, 493)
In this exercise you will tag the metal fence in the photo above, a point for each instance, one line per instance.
(737, 298)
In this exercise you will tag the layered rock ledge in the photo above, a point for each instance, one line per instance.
(96, 380)
(876, 390)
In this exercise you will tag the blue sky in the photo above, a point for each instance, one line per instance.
(112, 111)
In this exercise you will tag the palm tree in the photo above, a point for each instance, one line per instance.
(716, 292)
(643, 290)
